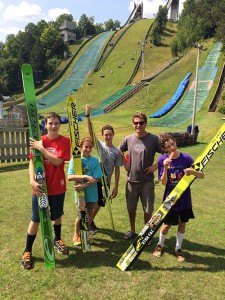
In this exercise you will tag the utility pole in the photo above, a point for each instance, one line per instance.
(142, 43)
(196, 91)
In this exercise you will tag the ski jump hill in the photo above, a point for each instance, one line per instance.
(86, 63)
(78, 73)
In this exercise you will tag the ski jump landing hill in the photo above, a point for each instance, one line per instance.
(78, 73)
(183, 112)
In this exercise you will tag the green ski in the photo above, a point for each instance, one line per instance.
(105, 188)
(75, 144)
(34, 130)
(152, 226)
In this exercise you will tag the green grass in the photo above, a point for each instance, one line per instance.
(94, 275)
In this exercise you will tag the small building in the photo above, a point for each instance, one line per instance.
(18, 112)
(67, 31)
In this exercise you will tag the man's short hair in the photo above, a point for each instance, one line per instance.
(140, 115)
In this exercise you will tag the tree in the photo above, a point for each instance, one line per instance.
(9, 69)
(37, 57)
(41, 25)
(161, 18)
(174, 47)
(51, 40)
(32, 28)
(99, 27)
(109, 24)
(85, 25)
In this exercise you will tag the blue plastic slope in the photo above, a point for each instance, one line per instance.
(173, 101)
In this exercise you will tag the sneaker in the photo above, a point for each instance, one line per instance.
(93, 227)
(92, 241)
(27, 260)
(76, 240)
(158, 251)
(92, 232)
(180, 256)
(61, 247)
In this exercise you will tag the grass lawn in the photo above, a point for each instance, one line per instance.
(94, 275)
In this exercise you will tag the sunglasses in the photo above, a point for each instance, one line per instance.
(140, 123)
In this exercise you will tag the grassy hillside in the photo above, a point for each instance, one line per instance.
(118, 68)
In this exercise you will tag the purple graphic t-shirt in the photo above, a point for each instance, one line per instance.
(175, 173)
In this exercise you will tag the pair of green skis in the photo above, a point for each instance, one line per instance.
(34, 130)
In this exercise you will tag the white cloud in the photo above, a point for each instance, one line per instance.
(10, 30)
(151, 7)
(24, 11)
(1, 6)
(55, 12)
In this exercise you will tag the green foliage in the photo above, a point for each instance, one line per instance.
(158, 26)
(161, 18)
(174, 47)
(86, 26)
(111, 25)
(222, 109)
(200, 19)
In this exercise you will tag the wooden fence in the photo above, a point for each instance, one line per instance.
(14, 146)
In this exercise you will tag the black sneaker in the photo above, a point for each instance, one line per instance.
(93, 227)
(27, 260)
(61, 247)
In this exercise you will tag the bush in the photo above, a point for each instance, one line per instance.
(222, 109)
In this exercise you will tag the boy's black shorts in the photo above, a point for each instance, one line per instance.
(176, 217)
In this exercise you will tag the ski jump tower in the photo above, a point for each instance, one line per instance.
(136, 14)
(173, 8)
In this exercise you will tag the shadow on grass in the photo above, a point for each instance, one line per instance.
(199, 257)
(105, 253)
(13, 166)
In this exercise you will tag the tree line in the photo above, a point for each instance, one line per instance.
(200, 20)
(42, 46)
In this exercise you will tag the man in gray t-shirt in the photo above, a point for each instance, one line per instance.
(111, 160)
(142, 147)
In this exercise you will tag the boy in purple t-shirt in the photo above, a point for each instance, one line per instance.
(171, 168)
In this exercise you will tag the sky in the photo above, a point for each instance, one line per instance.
(16, 14)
